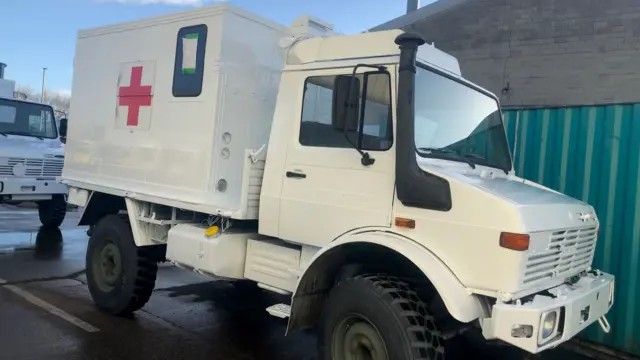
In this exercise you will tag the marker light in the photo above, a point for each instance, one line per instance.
(517, 242)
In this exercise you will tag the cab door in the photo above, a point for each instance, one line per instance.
(326, 190)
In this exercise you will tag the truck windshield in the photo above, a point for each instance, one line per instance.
(27, 119)
(459, 123)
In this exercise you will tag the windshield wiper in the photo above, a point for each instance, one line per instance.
(448, 152)
(483, 159)
(5, 135)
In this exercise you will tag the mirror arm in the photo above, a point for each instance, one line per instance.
(346, 105)
(366, 158)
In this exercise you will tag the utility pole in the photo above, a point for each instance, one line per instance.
(44, 72)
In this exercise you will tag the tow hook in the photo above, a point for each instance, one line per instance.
(604, 324)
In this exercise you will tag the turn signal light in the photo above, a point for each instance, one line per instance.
(405, 223)
(517, 242)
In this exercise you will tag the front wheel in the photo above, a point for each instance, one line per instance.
(52, 212)
(377, 317)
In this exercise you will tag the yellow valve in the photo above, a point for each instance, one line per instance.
(211, 230)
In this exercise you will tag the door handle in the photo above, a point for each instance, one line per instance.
(295, 175)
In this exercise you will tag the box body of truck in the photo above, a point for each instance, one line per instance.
(177, 119)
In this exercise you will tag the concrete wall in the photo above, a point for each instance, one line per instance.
(547, 52)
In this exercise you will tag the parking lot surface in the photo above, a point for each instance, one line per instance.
(46, 311)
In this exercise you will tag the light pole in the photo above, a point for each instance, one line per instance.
(44, 72)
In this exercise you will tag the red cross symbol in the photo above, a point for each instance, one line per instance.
(134, 96)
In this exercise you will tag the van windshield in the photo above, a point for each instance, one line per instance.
(459, 123)
(26, 119)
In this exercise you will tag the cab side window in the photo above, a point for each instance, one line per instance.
(374, 114)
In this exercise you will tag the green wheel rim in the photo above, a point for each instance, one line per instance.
(107, 266)
(355, 338)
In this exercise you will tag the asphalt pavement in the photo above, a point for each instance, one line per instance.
(46, 311)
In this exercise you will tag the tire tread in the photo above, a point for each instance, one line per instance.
(52, 212)
(146, 268)
(426, 342)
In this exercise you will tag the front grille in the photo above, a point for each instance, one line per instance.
(569, 252)
(33, 167)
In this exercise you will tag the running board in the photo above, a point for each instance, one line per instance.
(280, 310)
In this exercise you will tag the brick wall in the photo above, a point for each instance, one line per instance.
(546, 52)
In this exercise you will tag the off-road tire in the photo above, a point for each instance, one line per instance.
(392, 307)
(52, 212)
(137, 276)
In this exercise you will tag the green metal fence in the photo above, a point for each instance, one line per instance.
(593, 153)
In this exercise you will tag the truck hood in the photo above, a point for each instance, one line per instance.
(15, 146)
(540, 208)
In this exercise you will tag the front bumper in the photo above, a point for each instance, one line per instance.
(578, 305)
(29, 189)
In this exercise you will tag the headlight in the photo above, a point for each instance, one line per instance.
(548, 325)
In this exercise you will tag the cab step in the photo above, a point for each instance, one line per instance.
(279, 310)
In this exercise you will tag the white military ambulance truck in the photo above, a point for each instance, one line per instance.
(31, 155)
(360, 174)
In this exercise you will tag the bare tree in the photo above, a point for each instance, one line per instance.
(59, 101)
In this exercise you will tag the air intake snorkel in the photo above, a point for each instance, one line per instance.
(415, 187)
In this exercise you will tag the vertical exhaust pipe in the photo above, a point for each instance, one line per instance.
(2, 67)
(414, 187)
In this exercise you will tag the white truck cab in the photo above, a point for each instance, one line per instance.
(31, 156)
(362, 175)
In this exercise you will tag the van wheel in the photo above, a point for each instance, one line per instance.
(377, 317)
(120, 275)
(52, 212)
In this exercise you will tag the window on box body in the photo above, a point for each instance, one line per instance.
(375, 117)
(188, 72)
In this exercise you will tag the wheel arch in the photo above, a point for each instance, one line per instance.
(100, 205)
(400, 254)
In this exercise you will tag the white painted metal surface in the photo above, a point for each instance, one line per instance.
(272, 262)
(220, 255)
(514, 207)
(179, 148)
(583, 304)
(461, 303)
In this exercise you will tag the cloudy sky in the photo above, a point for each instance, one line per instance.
(41, 33)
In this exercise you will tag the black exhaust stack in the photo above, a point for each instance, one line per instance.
(2, 67)
(415, 187)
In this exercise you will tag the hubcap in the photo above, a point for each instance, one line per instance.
(107, 266)
(357, 339)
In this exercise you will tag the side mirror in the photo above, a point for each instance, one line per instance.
(62, 131)
(344, 111)
(63, 127)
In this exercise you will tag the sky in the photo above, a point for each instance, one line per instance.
(42, 33)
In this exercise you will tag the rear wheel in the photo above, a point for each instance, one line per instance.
(377, 317)
(120, 275)
(52, 212)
